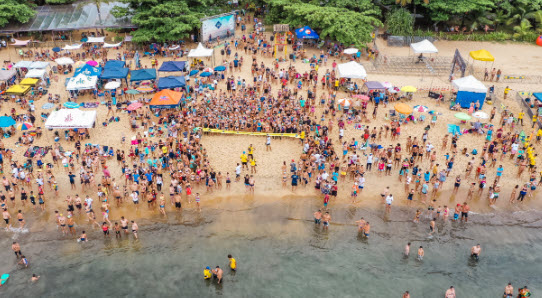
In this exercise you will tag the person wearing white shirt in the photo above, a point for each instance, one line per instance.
(389, 200)
(88, 201)
(325, 175)
(361, 182)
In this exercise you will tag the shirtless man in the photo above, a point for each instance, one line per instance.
(450, 293)
(367, 229)
(326, 218)
(218, 273)
(432, 226)
(34, 278)
(406, 295)
(407, 250)
(508, 291)
(134, 229)
(317, 217)
(118, 196)
(465, 212)
(421, 253)
(6, 216)
(21, 220)
(124, 224)
(16, 249)
(475, 252)
(361, 224)
(62, 222)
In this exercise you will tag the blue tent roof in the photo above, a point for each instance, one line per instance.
(171, 82)
(114, 64)
(306, 33)
(538, 95)
(173, 66)
(143, 74)
(115, 73)
(88, 70)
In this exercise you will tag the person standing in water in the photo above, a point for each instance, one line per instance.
(407, 250)
(134, 229)
(318, 217)
(475, 252)
(218, 272)
(406, 295)
(326, 219)
(421, 253)
(233, 263)
(508, 291)
(450, 293)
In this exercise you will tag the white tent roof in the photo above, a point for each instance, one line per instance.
(72, 47)
(424, 47)
(111, 45)
(39, 64)
(469, 84)
(82, 82)
(23, 64)
(71, 118)
(64, 61)
(37, 73)
(200, 51)
(352, 70)
(96, 39)
(21, 42)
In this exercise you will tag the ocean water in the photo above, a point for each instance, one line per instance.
(281, 253)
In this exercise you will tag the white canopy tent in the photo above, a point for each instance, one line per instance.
(95, 39)
(23, 64)
(20, 43)
(424, 47)
(82, 82)
(71, 118)
(37, 73)
(110, 45)
(352, 70)
(350, 51)
(64, 61)
(469, 84)
(72, 47)
(39, 65)
(200, 51)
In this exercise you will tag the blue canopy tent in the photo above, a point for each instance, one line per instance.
(114, 64)
(143, 74)
(470, 90)
(115, 73)
(538, 96)
(306, 33)
(88, 70)
(171, 82)
(170, 66)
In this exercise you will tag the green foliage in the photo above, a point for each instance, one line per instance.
(15, 11)
(53, 2)
(444, 10)
(349, 22)
(523, 32)
(400, 22)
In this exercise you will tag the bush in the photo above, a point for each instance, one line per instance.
(400, 22)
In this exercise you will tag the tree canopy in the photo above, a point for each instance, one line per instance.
(15, 11)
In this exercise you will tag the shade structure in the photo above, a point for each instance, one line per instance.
(421, 109)
(205, 74)
(220, 68)
(410, 89)
(81, 82)
(47, 106)
(170, 66)
(6, 121)
(482, 55)
(71, 118)
(462, 116)
(374, 85)
(134, 106)
(387, 85)
(403, 108)
(480, 115)
(23, 64)
(18, 89)
(71, 105)
(200, 51)
(6, 74)
(171, 82)
(92, 63)
(166, 99)
(72, 47)
(29, 81)
(193, 72)
(306, 33)
(115, 73)
(351, 51)
(345, 102)
(24, 126)
(88, 70)
(39, 65)
(208, 69)
(112, 85)
(145, 89)
(114, 64)
(132, 91)
(112, 45)
(20, 43)
(64, 61)
(469, 84)
(143, 74)
(424, 47)
(56, 49)
(352, 70)
(95, 39)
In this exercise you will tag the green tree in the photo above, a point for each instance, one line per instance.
(445, 10)
(518, 15)
(523, 30)
(400, 22)
(15, 11)
(537, 17)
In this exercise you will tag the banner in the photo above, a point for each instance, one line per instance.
(248, 133)
(217, 26)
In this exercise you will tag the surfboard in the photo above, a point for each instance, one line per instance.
(4, 278)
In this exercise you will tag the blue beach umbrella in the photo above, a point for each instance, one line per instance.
(6, 121)
(57, 49)
(220, 68)
(193, 72)
(71, 105)
(205, 74)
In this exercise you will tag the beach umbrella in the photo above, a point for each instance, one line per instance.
(205, 74)
(132, 91)
(207, 69)
(47, 106)
(421, 109)
(71, 105)
(220, 68)
(134, 106)
(387, 85)
(462, 116)
(57, 49)
(6, 121)
(480, 115)
(24, 126)
(351, 51)
(79, 64)
(403, 108)
(364, 98)
(345, 102)
(92, 63)
(145, 89)
(112, 85)
(193, 72)
(410, 89)
(394, 90)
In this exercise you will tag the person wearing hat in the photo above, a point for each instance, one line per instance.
(244, 160)
(207, 273)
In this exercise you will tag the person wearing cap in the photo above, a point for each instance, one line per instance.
(207, 273)
(244, 160)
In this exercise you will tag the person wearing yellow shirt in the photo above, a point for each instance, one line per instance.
(538, 135)
(302, 136)
(535, 119)
(164, 149)
(244, 160)
(520, 117)
(252, 165)
(506, 91)
(233, 263)
(207, 273)
(251, 151)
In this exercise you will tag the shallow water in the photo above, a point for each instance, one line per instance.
(280, 252)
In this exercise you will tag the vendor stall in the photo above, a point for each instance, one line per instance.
(71, 118)
(352, 70)
(469, 90)
(166, 99)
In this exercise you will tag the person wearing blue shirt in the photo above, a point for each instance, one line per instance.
(294, 181)
(335, 176)
(427, 176)
(500, 170)
(136, 177)
(148, 175)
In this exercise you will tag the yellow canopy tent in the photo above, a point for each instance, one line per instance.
(29, 81)
(482, 55)
(18, 89)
